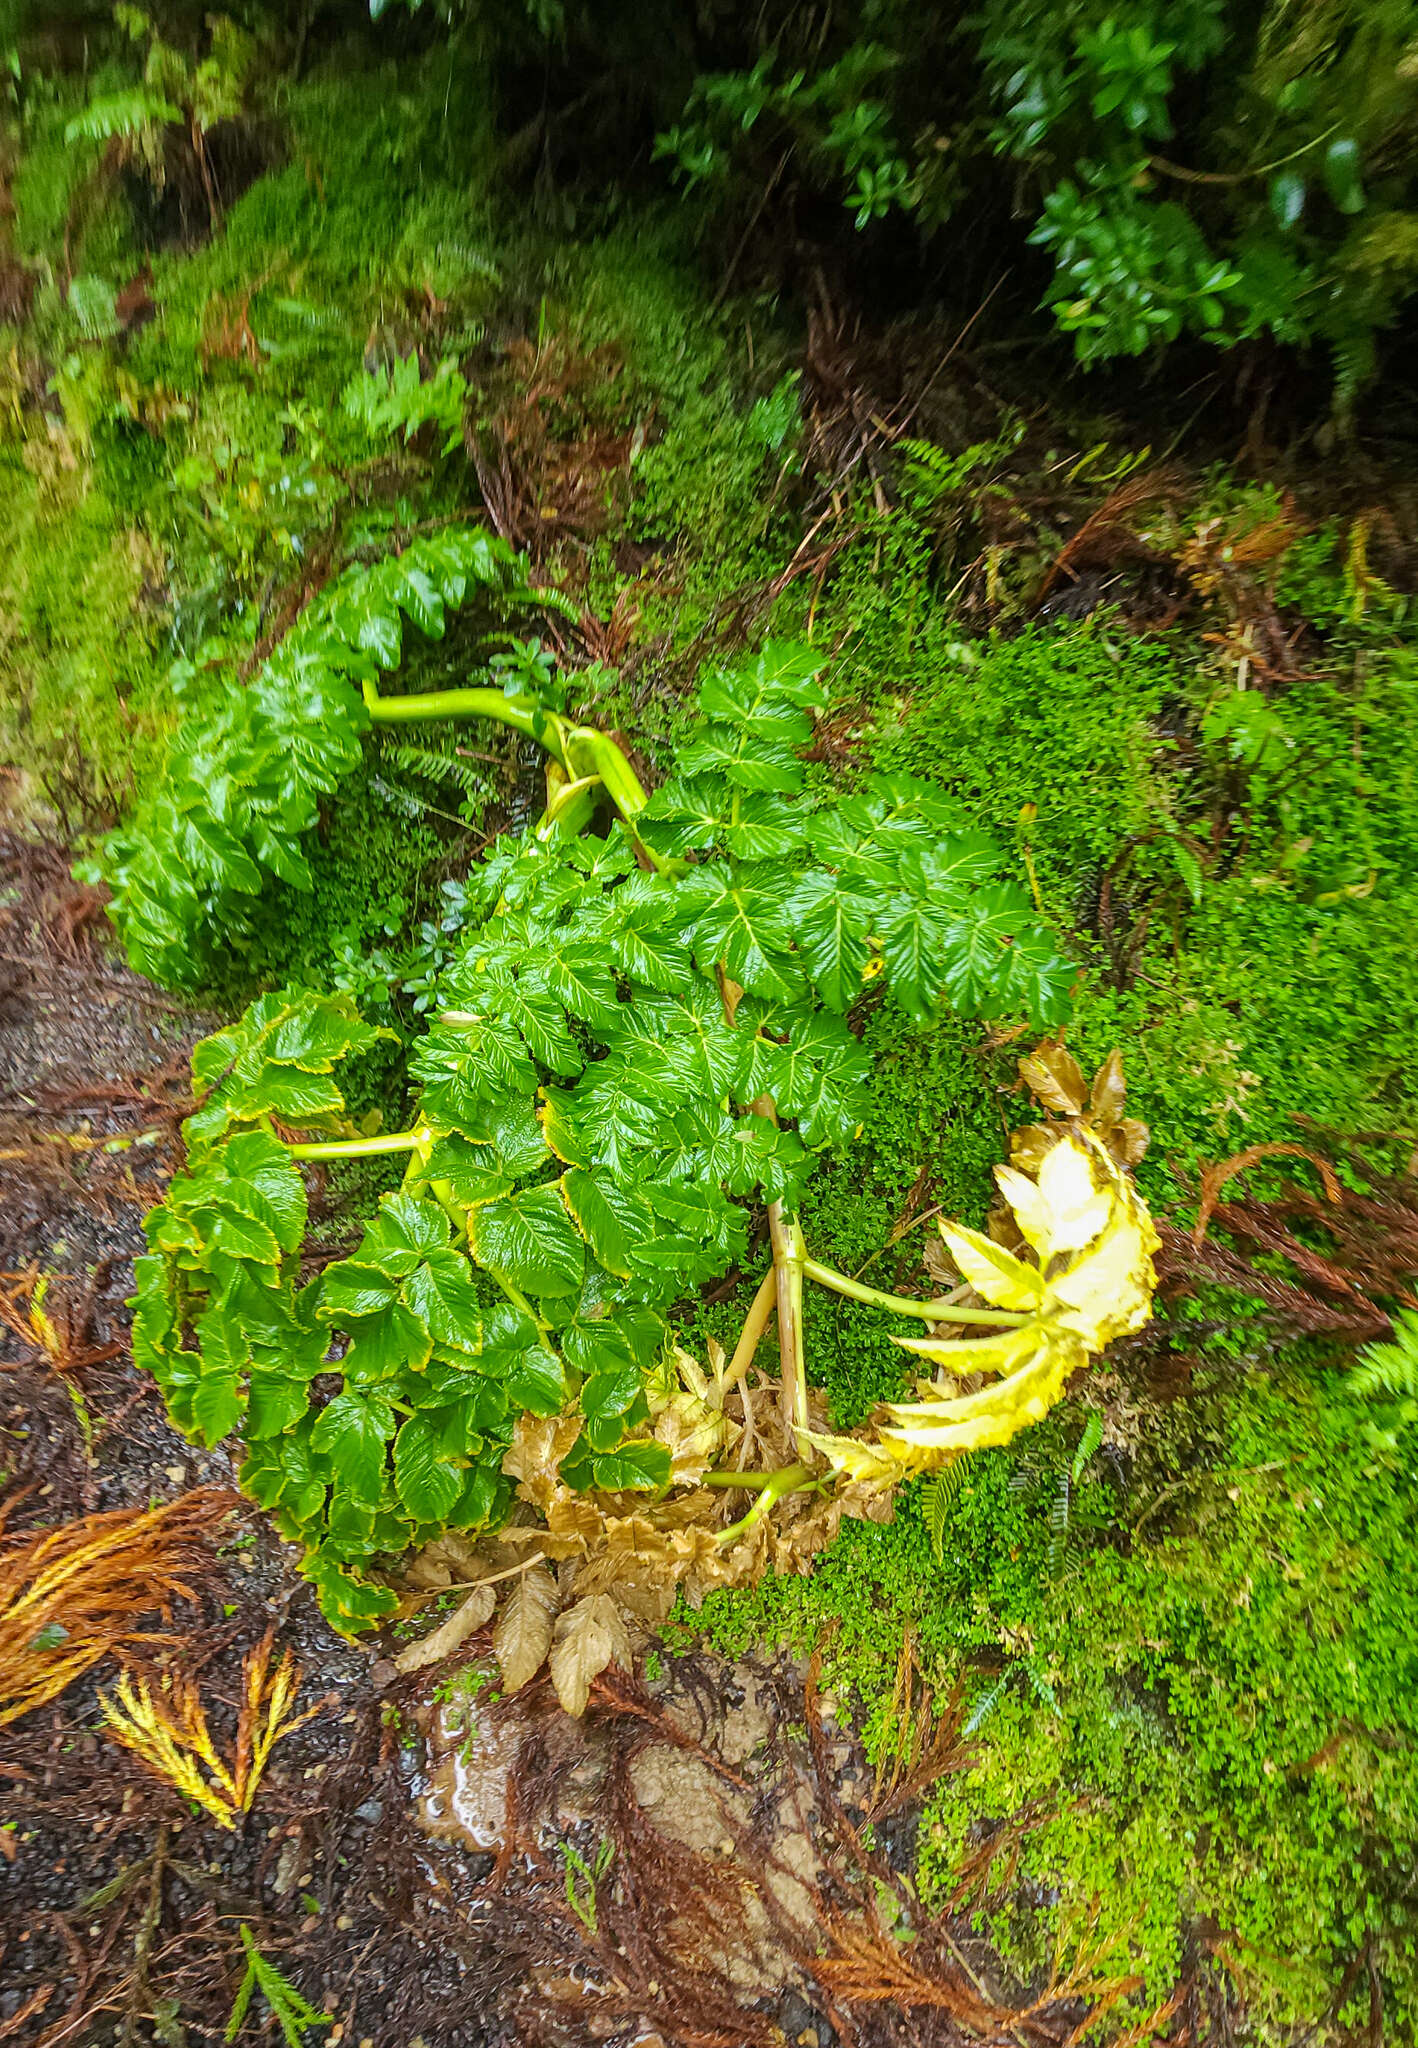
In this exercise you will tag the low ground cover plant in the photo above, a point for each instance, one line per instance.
(643, 1030)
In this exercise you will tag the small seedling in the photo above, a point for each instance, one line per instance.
(582, 1880)
(292, 2012)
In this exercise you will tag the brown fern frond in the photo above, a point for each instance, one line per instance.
(1351, 1251)
(69, 1596)
(1106, 536)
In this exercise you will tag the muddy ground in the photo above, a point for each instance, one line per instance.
(432, 1869)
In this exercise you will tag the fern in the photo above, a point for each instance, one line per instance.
(938, 1497)
(1355, 362)
(295, 2015)
(452, 771)
(1391, 1369)
(130, 115)
(1087, 1444)
(932, 473)
(384, 401)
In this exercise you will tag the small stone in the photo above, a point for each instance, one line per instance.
(176, 1473)
(371, 1810)
(344, 1923)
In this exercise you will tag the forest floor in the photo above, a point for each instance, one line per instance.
(1123, 1725)
(460, 1871)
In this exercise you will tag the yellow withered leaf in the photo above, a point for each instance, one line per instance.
(1065, 1208)
(1093, 1239)
(1003, 1351)
(995, 1274)
(1107, 1293)
(856, 1457)
(993, 1416)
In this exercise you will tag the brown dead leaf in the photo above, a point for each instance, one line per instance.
(1054, 1077)
(1109, 1091)
(539, 1443)
(1055, 1080)
(450, 1635)
(589, 1636)
(523, 1634)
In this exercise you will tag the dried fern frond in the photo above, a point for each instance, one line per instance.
(69, 1596)
(165, 1725)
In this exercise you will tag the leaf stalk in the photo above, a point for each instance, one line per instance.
(362, 1148)
(776, 1486)
(904, 1305)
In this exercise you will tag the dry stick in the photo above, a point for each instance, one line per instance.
(924, 393)
(513, 1571)
(788, 1254)
(769, 189)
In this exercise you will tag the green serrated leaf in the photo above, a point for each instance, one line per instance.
(610, 1220)
(353, 1431)
(535, 1381)
(531, 1241)
(741, 920)
(830, 925)
(633, 1468)
(427, 1480)
(385, 1346)
(441, 1294)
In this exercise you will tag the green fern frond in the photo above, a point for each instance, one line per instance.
(1087, 1444)
(1355, 363)
(938, 1497)
(120, 115)
(451, 770)
(294, 2013)
(1391, 1369)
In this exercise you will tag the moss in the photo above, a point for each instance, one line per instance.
(81, 699)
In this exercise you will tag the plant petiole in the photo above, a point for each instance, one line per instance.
(789, 1259)
(903, 1305)
(362, 1148)
(776, 1486)
(468, 703)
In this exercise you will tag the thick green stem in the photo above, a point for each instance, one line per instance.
(587, 756)
(787, 1479)
(903, 1305)
(604, 758)
(361, 1148)
(467, 703)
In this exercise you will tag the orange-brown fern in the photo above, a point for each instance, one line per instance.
(70, 1595)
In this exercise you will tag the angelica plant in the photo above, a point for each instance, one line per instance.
(645, 1030)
